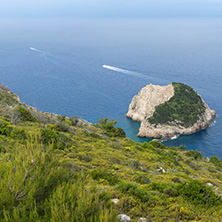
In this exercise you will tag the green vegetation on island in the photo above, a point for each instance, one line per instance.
(56, 169)
(185, 107)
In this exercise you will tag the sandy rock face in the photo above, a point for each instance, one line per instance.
(143, 106)
(3, 87)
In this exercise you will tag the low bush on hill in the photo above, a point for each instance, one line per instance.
(199, 194)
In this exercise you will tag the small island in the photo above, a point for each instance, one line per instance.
(169, 111)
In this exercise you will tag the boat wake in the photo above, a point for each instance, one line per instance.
(46, 55)
(37, 50)
(125, 71)
(136, 74)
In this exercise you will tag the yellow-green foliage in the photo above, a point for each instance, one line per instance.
(64, 172)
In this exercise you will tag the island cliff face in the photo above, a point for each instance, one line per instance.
(151, 99)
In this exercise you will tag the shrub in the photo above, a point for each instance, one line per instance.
(186, 171)
(127, 203)
(72, 202)
(108, 176)
(19, 134)
(199, 194)
(176, 180)
(108, 126)
(170, 191)
(25, 114)
(158, 186)
(133, 189)
(182, 148)
(74, 120)
(27, 180)
(185, 107)
(62, 127)
(195, 154)
(142, 179)
(216, 161)
(5, 128)
(49, 136)
(156, 144)
(118, 132)
(61, 118)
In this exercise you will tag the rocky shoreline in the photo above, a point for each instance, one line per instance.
(143, 106)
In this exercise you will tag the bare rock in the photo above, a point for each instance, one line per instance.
(143, 107)
(142, 219)
(3, 87)
(123, 218)
(115, 201)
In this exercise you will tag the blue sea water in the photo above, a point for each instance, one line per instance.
(57, 66)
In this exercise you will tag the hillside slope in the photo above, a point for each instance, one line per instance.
(64, 171)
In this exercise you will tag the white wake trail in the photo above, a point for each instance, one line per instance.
(47, 55)
(37, 50)
(125, 71)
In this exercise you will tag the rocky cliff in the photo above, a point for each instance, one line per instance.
(10, 102)
(160, 101)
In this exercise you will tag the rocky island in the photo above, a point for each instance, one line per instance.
(169, 111)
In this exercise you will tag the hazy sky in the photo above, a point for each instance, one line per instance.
(110, 8)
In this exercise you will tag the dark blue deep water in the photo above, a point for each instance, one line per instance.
(63, 70)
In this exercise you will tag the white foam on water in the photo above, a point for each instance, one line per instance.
(136, 74)
(37, 50)
(175, 137)
(47, 55)
(213, 124)
(125, 71)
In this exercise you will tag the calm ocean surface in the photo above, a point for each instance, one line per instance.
(57, 66)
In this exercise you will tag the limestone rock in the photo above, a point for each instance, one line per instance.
(3, 87)
(143, 107)
(123, 218)
(115, 201)
(142, 219)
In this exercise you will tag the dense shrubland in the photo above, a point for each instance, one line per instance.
(62, 171)
(185, 107)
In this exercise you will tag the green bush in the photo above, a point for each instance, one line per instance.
(74, 120)
(134, 190)
(156, 144)
(36, 186)
(19, 134)
(72, 202)
(5, 128)
(176, 180)
(127, 203)
(186, 171)
(216, 161)
(49, 136)
(108, 126)
(170, 191)
(105, 176)
(158, 186)
(142, 179)
(28, 180)
(118, 132)
(186, 106)
(199, 194)
(195, 154)
(62, 127)
(25, 114)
